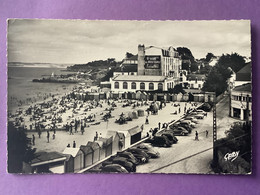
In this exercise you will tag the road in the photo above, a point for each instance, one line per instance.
(188, 155)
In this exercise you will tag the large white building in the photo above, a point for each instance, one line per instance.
(157, 69)
(132, 83)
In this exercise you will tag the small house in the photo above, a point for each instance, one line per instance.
(88, 155)
(96, 151)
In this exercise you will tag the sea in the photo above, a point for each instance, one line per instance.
(23, 92)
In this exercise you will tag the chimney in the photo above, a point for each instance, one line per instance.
(141, 55)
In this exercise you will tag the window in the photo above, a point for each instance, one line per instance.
(124, 85)
(116, 85)
(133, 85)
(160, 86)
(151, 86)
(142, 86)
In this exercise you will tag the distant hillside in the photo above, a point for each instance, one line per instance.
(36, 65)
(98, 64)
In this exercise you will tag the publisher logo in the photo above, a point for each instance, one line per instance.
(231, 156)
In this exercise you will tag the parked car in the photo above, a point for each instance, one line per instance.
(199, 111)
(139, 154)
(129, 156)
(199, 116)
(149, 150)
(170, 137)
(161, 141)
(113, 168)
(192, 119)
(180, 131)
(130, 167)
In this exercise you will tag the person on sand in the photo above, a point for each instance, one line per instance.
(196, 136)
(207, 133)
(33, 140)
(82, 129)
(48, 136)
(74, 144)
(53, 136)
(146, 120)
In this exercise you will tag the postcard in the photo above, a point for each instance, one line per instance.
(111, 96)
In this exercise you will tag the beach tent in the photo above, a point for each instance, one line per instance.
(88, 155)
(77, 156)
(115, 95)
(138, 95)
(96, 151)
(143, 96)
(140, 112)
(107, 144)
(46, 162)
(115, 140)
(135, 115)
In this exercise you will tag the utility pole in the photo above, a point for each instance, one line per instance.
(215, 155)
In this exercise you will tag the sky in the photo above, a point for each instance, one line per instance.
(82, 41)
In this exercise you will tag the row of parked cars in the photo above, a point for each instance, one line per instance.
(126, 161)
(184, 126)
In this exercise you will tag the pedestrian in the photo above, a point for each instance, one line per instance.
(68, 146)
(71, 133)
(74, 144)
(142, 127)
(179, 110)
(146, 120)
(33, 140)
(39, 132)
(48, 136)
(207, 133)
(159, 125)
(53, 136)
(82, 129)
(196, 136)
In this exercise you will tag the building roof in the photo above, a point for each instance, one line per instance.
(148, 78)
(244, 74)
(134, 130)
(195, 76)
(86, 149)
(93, 145)
(134, 57)
(111, 133)
(47, 157)
(245, 87)
(72, 151)
(106, 141)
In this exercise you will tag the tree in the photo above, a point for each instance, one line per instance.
(177, 89)
(188, 60)
(209, 56)
(129, 55)
(19, 149)
(215, 82)
(234, 61)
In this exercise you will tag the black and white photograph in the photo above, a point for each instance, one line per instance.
(129, 96)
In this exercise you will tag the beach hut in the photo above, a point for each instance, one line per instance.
(46, 162)
(140, 112)
(102, 150)
(69, 164)
(127, 138)
(132, 135)
(179, 97)
(115, 142)
(138, 95)
(88, 155)
(77, 158)
(102, 95)
(107, 144)
(121, 140)
(96, 96)
(96, 151)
